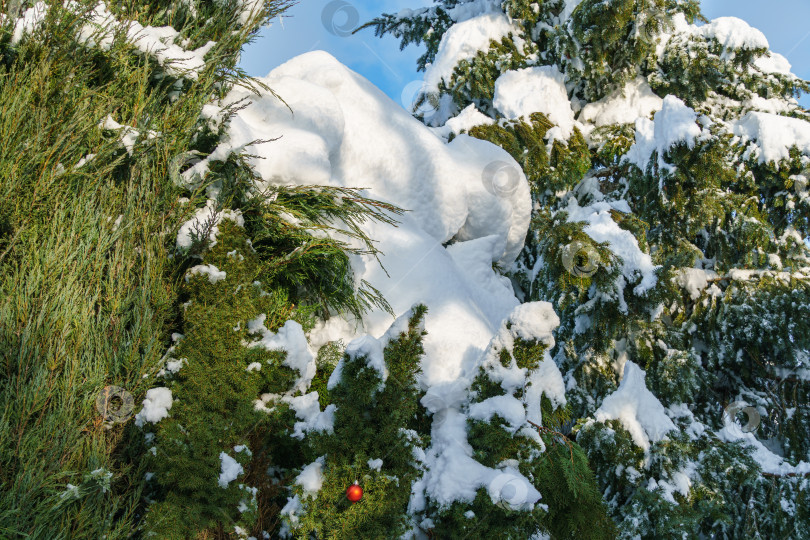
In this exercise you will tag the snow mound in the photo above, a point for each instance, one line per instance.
(155, 407)
(602, 228)
(463, 41)
(774, 135)
(636, 408)
(311, 478)
(230, 469)
(733, 33)
(346, 132)
(469, 194)
(773, 63)
(290, 338)
(624, 106)
(674, 123)
(519, 93)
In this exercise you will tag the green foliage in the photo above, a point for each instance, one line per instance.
(288, 228)
(711, 210)
(425, 26)
(549, 171)
(698, 69)
(571, 504)
(374, 419)
(87, 296)
(90, 290)
(475, 78)
(214, 394)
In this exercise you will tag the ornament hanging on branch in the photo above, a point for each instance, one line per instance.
(354, 493)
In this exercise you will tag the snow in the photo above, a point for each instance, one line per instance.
(532, 321)
(129, 135)
(467, 119)
(772, 62)
(248, 9)
(694, 280)
(172, 366)
(518, 93)
(30, 20)
(203, 216)
(767, 460)
(674, 123)
(155, 407)
(463, 41)
(602, 228)
(333, 329)
(568, 8)
(372, 349)
(452, 474)
(290, 338)
(157, 42)
(624, 106)
(545, 381)
(510, 487)
(774, 135)
(345, 132)
(636, 408)
(507, 407)
(491, 291)
(375, 464)
(214, 274)
(308, 409)
(311, 478)
(230, 469)
(733, 33)
(679, 481)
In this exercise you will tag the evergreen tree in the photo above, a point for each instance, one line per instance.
(378, 433)
(668, 164)
(202, 257)
(371, 440)
(515, 420)
(99, 102)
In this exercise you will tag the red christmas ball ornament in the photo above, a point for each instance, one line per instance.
(354, 493)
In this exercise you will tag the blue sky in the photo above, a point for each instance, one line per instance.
(784, 23)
